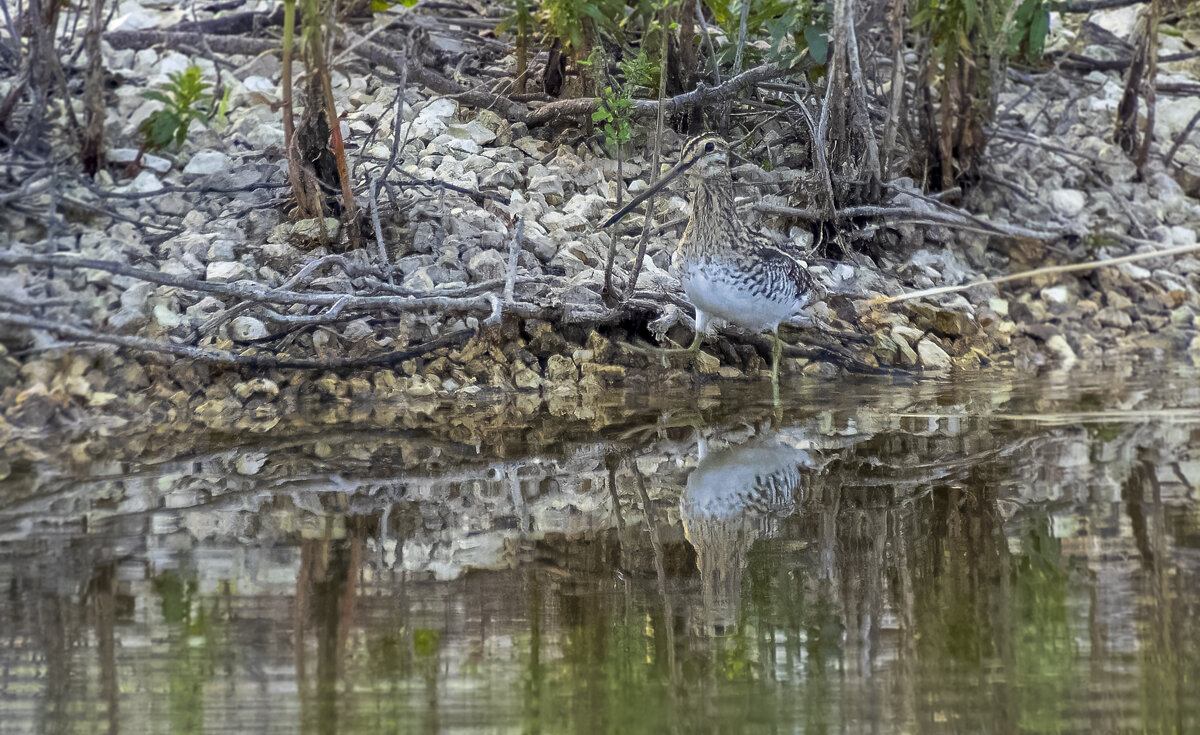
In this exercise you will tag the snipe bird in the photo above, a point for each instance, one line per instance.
(729, 270)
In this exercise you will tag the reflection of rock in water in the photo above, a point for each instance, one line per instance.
(733, 498)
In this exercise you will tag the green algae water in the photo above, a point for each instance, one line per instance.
(1003, 554)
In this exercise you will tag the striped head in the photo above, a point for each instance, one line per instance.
(704, 156)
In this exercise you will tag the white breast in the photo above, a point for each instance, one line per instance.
(723, 294)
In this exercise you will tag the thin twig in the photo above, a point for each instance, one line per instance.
(703, 94)
(1075, 62)
(216, 356)
(950, 218)
(708, 44)
(1049, 270)
(858, 102)
(1181, 139)
(1087, 6)
(817, 133)
(892, 126)
(514, 249)
(384, 260)
(655, 166)
(251, 290)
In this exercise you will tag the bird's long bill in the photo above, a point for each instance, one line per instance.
(670, 176)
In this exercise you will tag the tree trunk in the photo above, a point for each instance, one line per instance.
(1143, 152)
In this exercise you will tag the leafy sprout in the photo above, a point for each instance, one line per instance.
(615, 114)
(565, 19)
(793, 28)
(184, 99)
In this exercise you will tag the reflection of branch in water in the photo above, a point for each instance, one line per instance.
(659, 567)
(326, 596)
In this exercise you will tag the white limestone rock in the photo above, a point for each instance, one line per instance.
(226, 272)
(245, 328)
(207, 162)
(932, 356)
(144, 183)
(1068, 202)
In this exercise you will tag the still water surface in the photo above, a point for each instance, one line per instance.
(1004, 554)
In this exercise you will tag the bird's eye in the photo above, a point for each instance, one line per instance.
(708, 147)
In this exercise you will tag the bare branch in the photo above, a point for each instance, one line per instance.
(216, 356)
(252, 290)
(1087, 6)
(1049, 270)
(729, 90)
(514, 249)
(178, 39)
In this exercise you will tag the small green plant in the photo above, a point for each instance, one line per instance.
(793, 28)
(1031, 25)
(185, 99)
(572, 21)
(970, 43)
(801, 30)
(615, 113)
(957, 26)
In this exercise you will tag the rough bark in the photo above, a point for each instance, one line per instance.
(1125, 132)
(1143, 151)
(897, 20)
(91, 152)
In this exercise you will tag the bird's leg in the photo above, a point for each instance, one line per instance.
(694, 347)
(776, 351)
(692, 350)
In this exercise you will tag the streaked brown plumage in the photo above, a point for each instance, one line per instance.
(729, 270)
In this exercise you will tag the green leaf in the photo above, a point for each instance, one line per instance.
(1038, 30)
(818, 44)
(158, 97)
(972, 12)
(594, 13)
(223, 108)
(162, 129)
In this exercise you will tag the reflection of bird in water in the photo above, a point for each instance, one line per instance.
(733, 498)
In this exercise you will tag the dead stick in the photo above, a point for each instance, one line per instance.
(251, 290)
(1143, 151)
(1087, 6)
(655, 169)
(1048, 270)
(223, 357)
(1181, 139)
(644, 108)
(514, 249)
